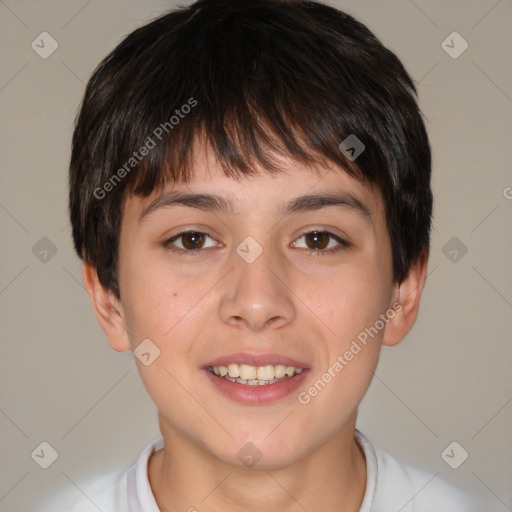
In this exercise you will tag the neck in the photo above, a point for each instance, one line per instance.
(184, 476)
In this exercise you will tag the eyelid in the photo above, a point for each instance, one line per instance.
(334, 231)
(342, 243)
(168, 243)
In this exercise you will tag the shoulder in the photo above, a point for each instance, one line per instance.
(408, 488)
(104, 492)
(114, 491)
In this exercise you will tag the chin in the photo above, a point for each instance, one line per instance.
(267, 454)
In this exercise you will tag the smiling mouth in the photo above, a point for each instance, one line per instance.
(248, 375)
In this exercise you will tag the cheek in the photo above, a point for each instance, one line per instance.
(348, 301)
(160, 300)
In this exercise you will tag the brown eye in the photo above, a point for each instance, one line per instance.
(322, 242)
(189, 242)
(193, 240)
(318, 239)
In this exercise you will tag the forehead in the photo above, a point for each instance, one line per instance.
(295, 187)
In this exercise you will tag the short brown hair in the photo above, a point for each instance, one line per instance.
(258, 78)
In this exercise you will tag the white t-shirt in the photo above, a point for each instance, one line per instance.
(391, 486)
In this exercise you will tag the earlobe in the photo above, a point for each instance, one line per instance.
(408, 296)
(107, 308)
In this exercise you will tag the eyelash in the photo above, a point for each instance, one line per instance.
(343, 244)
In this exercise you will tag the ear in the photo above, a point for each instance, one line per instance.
(107, 308)
(407, 295)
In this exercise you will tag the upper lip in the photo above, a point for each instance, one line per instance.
(256, 360)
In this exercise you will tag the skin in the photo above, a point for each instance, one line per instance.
(289, 301)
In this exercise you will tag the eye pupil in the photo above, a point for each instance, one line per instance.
(195, 238)
(318, 237)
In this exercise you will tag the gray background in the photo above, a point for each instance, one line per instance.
(449, 380)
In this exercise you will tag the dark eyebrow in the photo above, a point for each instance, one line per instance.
(215, 203)
(323, 200)
(206, 202)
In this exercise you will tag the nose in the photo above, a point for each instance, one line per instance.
(258, 295)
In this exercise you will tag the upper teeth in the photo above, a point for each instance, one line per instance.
(247, 372)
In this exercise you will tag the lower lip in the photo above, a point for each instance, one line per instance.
(258, 394)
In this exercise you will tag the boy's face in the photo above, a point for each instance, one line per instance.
(227, 304)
